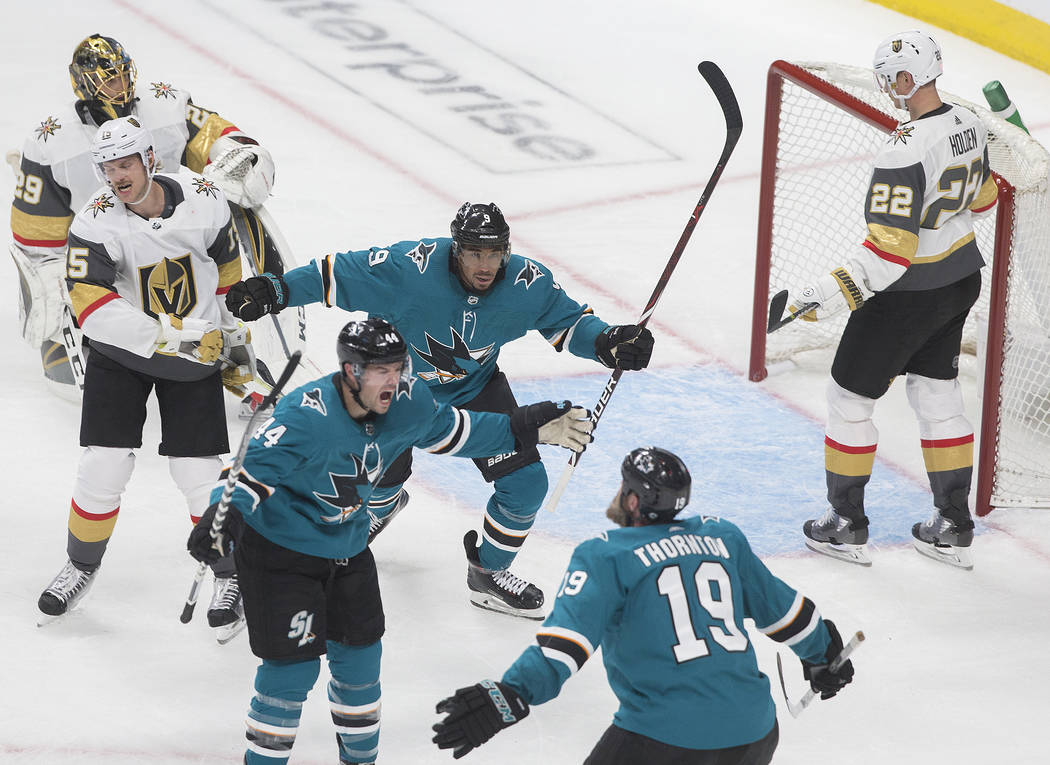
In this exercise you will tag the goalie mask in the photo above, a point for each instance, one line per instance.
(659, 479)
(371, 341)
(103, 75)
(913, 52)
(121, 138)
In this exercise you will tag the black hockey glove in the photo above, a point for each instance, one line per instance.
(257, 296)
(200, 543)
(476, 714)
(821, 679)
(624, 346)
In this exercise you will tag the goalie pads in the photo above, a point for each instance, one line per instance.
(40, 295)
(243, 171)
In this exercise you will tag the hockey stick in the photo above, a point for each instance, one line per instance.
(776, 311)
(796, 708)
(231, 480)
(734, 125)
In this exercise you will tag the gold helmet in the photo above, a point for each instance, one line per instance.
(104, 74)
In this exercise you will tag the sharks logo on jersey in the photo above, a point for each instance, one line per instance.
(528, 274)
(312, 400)
(345, 497)
(444, 357)
(420, 255)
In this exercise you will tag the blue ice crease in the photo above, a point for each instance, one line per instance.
(754, 460)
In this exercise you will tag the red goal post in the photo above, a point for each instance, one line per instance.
(824, 124)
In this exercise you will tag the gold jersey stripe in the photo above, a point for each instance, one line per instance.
(199, 146)
(83, 296)
(895, 241)
(920, 260)
(229, 273)
(986, 196)
(40, 228)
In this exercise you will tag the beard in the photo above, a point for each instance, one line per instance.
(615, 512)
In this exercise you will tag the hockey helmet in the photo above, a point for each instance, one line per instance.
(372, 341)
(913, 52)
(99, 60)
(119, 138)
(660, 480)
(481, 225)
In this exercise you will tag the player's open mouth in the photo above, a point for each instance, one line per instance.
(123, 188)
(386, 397)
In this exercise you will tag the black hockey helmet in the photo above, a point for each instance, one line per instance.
(371, 341)
(660, 479)
(97, 60)
(481, 225)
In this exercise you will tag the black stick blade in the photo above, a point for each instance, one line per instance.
(776, 311)
(723, 91)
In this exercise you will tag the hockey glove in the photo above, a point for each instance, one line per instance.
(241, 369)
(837, 283)
(548, 422)
(821, 679)
(207, 550)
(624, 346)
(193, 339)
(257, 296)
(476, 714)
(244, 172)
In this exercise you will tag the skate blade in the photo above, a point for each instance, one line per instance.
(959, 557)
(228, 632)
(848, 553)
(45, 619)
(492, 603)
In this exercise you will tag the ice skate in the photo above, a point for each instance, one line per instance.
(500, 591)
(226, 612)
(376, 524)
(944, 540)
(838, 537)
(65, 592)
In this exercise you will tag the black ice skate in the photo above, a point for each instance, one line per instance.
(375, 524)
(838, 537)
(945, 540)
(65, 591)
(500, 591)
(226, 612)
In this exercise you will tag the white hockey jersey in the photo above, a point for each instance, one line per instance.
(930, 177)
(123, 271)
(57, 177)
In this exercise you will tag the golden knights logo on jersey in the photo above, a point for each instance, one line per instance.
(47, 128)
(168, 287)
(204, 186)
(100, 204)
(163, 90)
(902, 134)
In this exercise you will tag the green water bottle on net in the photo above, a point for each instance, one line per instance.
(1000, 103)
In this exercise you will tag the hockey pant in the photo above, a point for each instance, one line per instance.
(509, 514)
(947, 442)
(103, 475)
(281, 687)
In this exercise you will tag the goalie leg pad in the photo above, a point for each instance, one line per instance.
(40, 295)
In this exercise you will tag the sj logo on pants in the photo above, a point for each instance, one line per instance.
(301, 624)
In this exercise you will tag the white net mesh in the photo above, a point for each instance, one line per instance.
(823, 168)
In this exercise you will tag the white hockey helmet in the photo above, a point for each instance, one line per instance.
(913, 52)
(121, 138)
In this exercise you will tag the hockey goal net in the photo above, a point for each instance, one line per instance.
(824, 125)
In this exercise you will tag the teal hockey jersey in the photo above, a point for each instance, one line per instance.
(310, 468)
(454, 335)
(667, 604)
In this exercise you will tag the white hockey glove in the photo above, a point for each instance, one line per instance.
(193, 339)
(824, 293)
(239, 368)
(244, 172)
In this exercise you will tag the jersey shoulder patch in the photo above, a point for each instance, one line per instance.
(47, 129)
(529, 274)
(312, 399)
(420, 255)
(99, 204)
(202, 185)
(163, 91)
